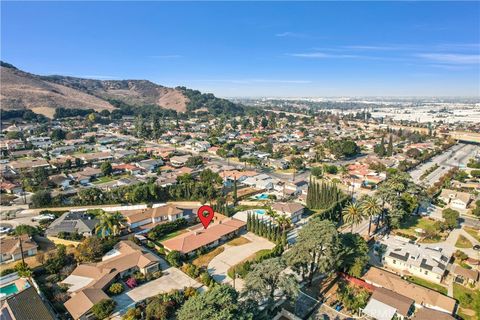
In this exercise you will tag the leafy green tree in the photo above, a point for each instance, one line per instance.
(238, 152)
(174, 258)
(103, 308)
(316, 250)
(106, 168)
(267, 283)
(218, 303)
(58, 134)
(41, 198)
(25, 229)
(156, 310)
(194, 161)
(451, 218)
(89, 250)
(354, 254)
(317, 172)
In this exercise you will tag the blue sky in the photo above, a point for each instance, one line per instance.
(254, 48)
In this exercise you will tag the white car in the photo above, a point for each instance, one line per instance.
(5, 230)
(44, 217)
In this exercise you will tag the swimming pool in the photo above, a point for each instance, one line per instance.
(259, 211)
(8, 290)
(262, 196)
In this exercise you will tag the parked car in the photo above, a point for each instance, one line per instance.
(476, 247)
(4, 230)
(42, 217)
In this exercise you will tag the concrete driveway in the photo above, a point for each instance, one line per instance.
(172, 279)
(232, 255)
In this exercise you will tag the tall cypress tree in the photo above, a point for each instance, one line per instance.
(235, 192)
(390, 147)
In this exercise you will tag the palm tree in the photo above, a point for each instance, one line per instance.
(370, 207)
(352, 214)
(110, 223)
(283, 221)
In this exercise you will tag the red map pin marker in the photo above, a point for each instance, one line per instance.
(205, 214)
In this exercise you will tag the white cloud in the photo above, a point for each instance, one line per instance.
(451, 58)
(291, 35)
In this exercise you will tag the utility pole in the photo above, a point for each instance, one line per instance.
(21, 249)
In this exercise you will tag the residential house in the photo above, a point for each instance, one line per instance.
(126, 167)
(40, 142)
(465, 276)
(27, 164)
(88, 281)
(424, 297)
(178, 161)
(260, 181)
(456, 199)
(200, 146)
(385, 304)
(292, 210)
(11, 144)
(431, 314)
(11, 248)
(86, 175)
(416, 259)
(25, 305)
(145, 219)
(96, 157)
(150, 165)
(279, 164)
(74, 223)
(10, 187)
(213, 235)
(60, 180)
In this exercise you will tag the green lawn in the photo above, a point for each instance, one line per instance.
(428, 284)
(467, 299)
(473, 232)
(463, 242)
(413, 222)
(106, 179)
(171, 235)
(103, 180)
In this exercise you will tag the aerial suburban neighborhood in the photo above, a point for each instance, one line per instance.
(126, 199)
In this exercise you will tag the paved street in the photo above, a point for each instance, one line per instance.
(232, 255)
(456, 156)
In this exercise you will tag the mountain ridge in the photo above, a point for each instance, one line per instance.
(44, 93)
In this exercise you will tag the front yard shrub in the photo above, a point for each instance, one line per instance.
(116, 288)
(175, 258)
(104, 308)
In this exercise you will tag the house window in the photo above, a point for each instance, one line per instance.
(426, 272)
